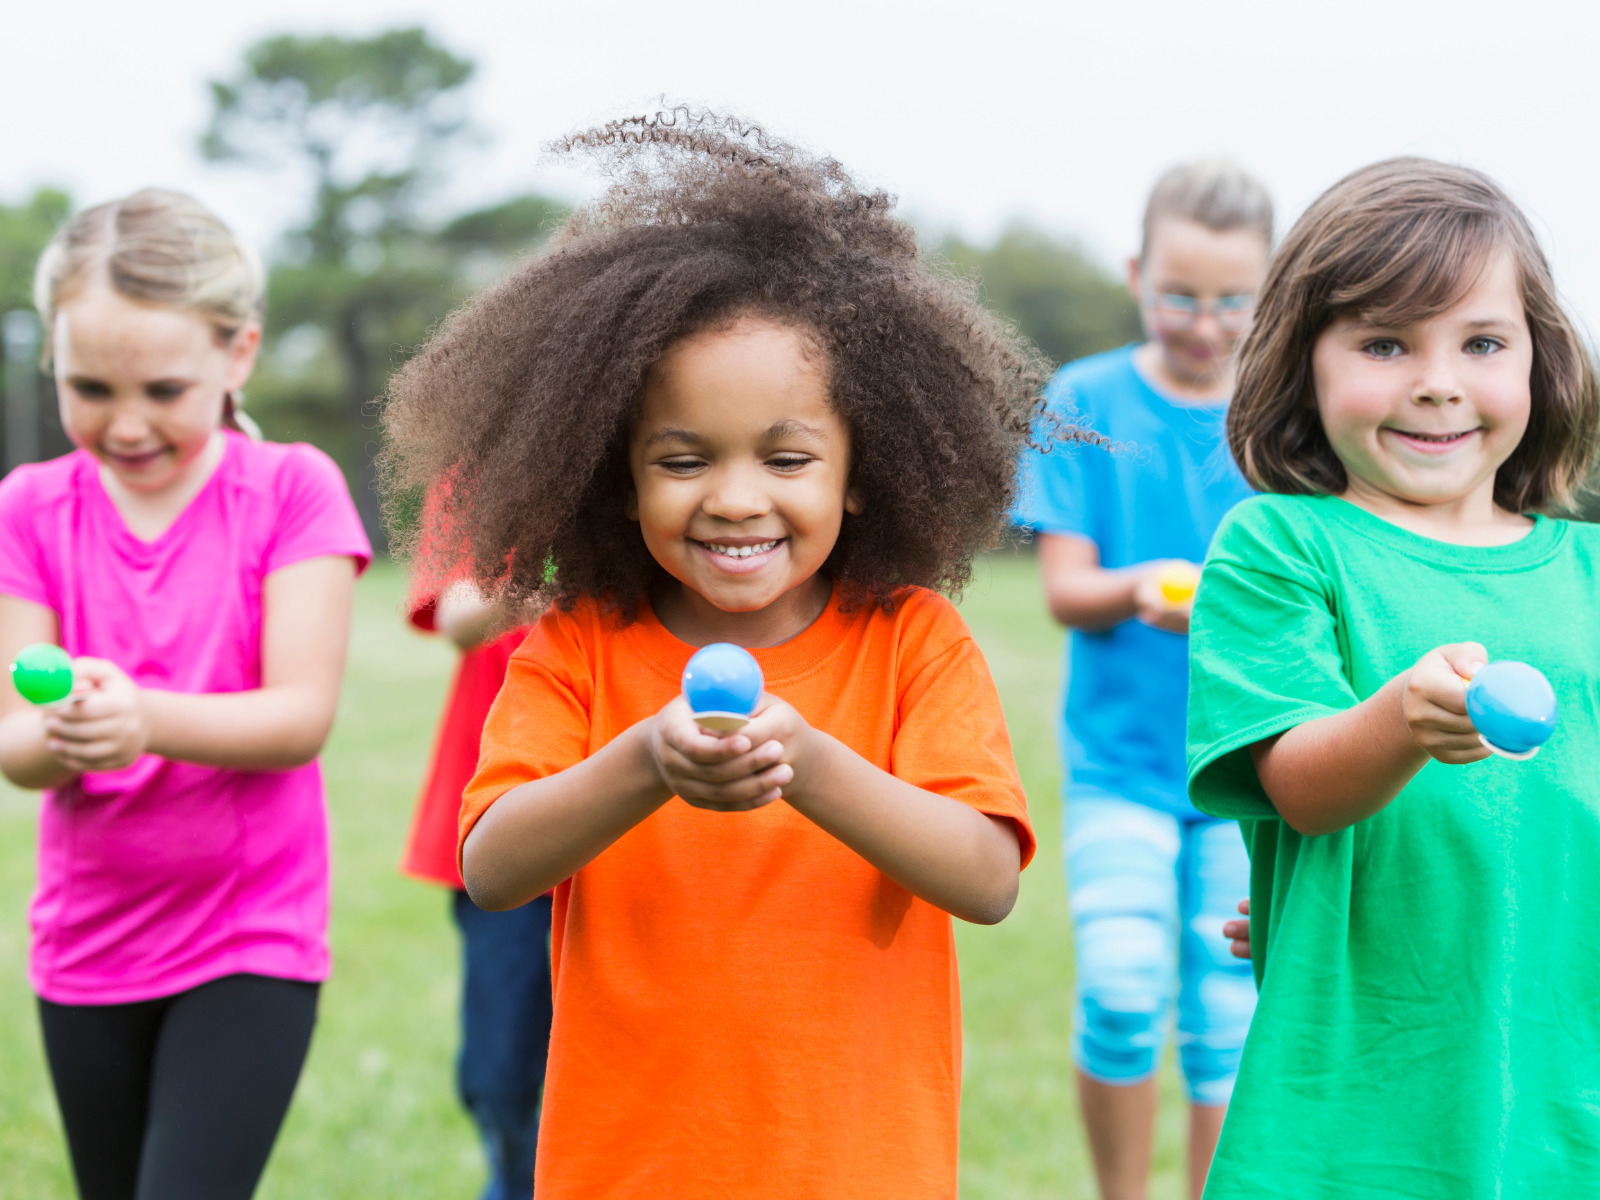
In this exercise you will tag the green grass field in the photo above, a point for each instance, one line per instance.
(375, 1114)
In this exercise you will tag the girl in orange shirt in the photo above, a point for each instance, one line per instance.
(732, 403)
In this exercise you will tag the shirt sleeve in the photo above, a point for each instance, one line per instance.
(315, 515)
(24, 571)
(1263, 656)
(423, 611)
(951, 735)
(540, 722)
(1054, 493)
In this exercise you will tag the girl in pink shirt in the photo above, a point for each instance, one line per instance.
(202, 582)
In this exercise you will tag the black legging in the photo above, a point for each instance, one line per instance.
(178, 1098)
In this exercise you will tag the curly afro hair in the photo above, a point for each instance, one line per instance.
(515, 416)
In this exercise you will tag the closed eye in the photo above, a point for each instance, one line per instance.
(90, 389)
(166, 390)
(789, 462)
(681, 466)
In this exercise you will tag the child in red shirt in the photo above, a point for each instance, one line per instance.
(505, 986)
(731, 403)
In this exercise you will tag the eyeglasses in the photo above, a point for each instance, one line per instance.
(1178, 312)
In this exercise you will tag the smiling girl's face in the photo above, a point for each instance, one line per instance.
(141, 387)
(741, 473)
(1423, 415)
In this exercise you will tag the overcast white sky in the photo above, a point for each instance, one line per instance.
(973, 114)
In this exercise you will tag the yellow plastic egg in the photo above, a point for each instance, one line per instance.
(1178, 582)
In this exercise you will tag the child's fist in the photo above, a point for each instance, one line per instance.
(1238, 932)
(1434, 703)
(101, 725)
(1164, 593)
(728, 772)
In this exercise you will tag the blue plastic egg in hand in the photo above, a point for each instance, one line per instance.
(722, 684)
(1513, 707)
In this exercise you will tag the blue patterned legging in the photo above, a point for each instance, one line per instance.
(1149, 894)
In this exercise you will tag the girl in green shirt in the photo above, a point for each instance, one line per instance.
(1425, 915)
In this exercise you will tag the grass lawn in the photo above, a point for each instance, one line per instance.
(375, 1114)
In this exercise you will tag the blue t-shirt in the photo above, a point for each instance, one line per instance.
(1159, 493)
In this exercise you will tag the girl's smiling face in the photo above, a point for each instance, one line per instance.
(141, 387)
(741, 473)
(1423, 415)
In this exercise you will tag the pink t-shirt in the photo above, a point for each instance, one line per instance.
(164, 875)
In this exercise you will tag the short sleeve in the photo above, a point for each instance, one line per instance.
(951, 736)
(422, 612)
(1263, 656)
(24, 570)
(540, 722)
(315, 515)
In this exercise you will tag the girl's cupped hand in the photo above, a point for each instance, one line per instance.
(1434, 703)
(729, 772)
(101, 725)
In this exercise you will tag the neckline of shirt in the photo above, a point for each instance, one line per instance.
(1537, 545)
(784, 662)
(119, 523)
(1208, 407)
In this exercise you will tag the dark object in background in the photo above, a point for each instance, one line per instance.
(31, 430)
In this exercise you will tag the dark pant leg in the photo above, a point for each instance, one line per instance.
(225, 1067)
(505, 1034)
(100, 1056)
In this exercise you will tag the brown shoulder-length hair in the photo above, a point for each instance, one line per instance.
(515, 417)
(1398, 242)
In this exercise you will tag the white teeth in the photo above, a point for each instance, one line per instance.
(739, 551)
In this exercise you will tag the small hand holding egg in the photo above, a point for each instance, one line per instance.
(1165, 594)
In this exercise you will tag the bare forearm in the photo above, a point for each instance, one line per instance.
(1327, 774)
(1092, 598)
(24, 757)
(543, 832)
(268, 729)
(938, 849)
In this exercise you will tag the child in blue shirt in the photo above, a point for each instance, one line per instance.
(1151, 881)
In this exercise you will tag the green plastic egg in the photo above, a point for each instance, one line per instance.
(42, 673)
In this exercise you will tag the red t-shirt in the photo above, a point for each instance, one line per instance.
(431, 845)
(744, 1007)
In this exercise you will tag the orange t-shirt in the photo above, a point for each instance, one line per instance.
(743, 1006)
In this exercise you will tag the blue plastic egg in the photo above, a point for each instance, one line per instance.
(1513, 707)
(722, 684)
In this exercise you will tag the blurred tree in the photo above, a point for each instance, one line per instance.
(368, 123)
(1067, 303)
(24, 231)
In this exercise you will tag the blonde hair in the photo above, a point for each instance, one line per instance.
(1216, 193)
(157, 247)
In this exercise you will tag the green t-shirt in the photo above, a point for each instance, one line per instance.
(1429, 1018)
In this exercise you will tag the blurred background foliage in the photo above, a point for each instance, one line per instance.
(1059, 296)
(367, 128)
(24, 230)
